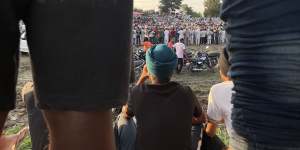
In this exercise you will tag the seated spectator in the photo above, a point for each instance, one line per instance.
(171, 43)
(163, 109)
(125, 131)
(219, 101)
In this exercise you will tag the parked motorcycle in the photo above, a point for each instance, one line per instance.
(200, 62)
(139, 61)
(214, 58)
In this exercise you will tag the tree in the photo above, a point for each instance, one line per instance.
(212, 8)
(167, 6)
(189, 11)
(138, 10)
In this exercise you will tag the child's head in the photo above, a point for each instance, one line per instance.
(224, 66)
(146, 39)
(161, 62)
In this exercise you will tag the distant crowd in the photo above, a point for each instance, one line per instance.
(171, 28)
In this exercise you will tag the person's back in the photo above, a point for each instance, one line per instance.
(265, 57)
(163, 114)
(219, 104)
(163, 109)
(179, 47)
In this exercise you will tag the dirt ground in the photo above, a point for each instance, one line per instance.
(18, 117)
(199, 82)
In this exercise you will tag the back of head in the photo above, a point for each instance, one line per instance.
(161, 61)
(224, 64)
(146, 39)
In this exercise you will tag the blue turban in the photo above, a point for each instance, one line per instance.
(161, 61)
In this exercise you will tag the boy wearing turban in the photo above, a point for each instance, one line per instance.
(163, 109)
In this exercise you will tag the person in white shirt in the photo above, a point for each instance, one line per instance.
(134, 37)
(209, 36)
(219, 101)
(191, 37)
(181, 34)
(180, 50)
(197, 36)
(166, 36)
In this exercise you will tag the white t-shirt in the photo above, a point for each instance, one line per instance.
(134, 34)
(181, 34)
(179, 47)
(202, 33)
(198, 33)
(166, 34)
(219, 104)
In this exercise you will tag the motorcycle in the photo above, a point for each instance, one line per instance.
(139, 60)
(214, 58)
(139, 54)
(201, 62)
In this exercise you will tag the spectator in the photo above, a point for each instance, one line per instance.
(147, 44)
(180, 50)
(171, 43)
(163, 109)
(264, 58)
(219, 101)
(166, 36)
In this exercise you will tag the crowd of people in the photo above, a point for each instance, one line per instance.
(258, 99)
(165, 28)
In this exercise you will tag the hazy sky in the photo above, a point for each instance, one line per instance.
(197, 5)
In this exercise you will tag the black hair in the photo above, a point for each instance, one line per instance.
(146, 39)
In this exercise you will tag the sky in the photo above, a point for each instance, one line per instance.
(197, 5)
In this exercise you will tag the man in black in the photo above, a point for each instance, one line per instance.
(163, 109)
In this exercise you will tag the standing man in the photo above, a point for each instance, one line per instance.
(264, 55)
(203, 35)
(191, 37)
(173, 34)
(181, 33)
(134, 36)
(198, 36)
(138, 36)
(187, 36)
(75, 96)
(166, 36)
(180, 50)
(209, 36)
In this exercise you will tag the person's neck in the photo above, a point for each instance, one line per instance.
(226, 80)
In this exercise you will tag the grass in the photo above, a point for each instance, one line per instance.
(222, 134)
